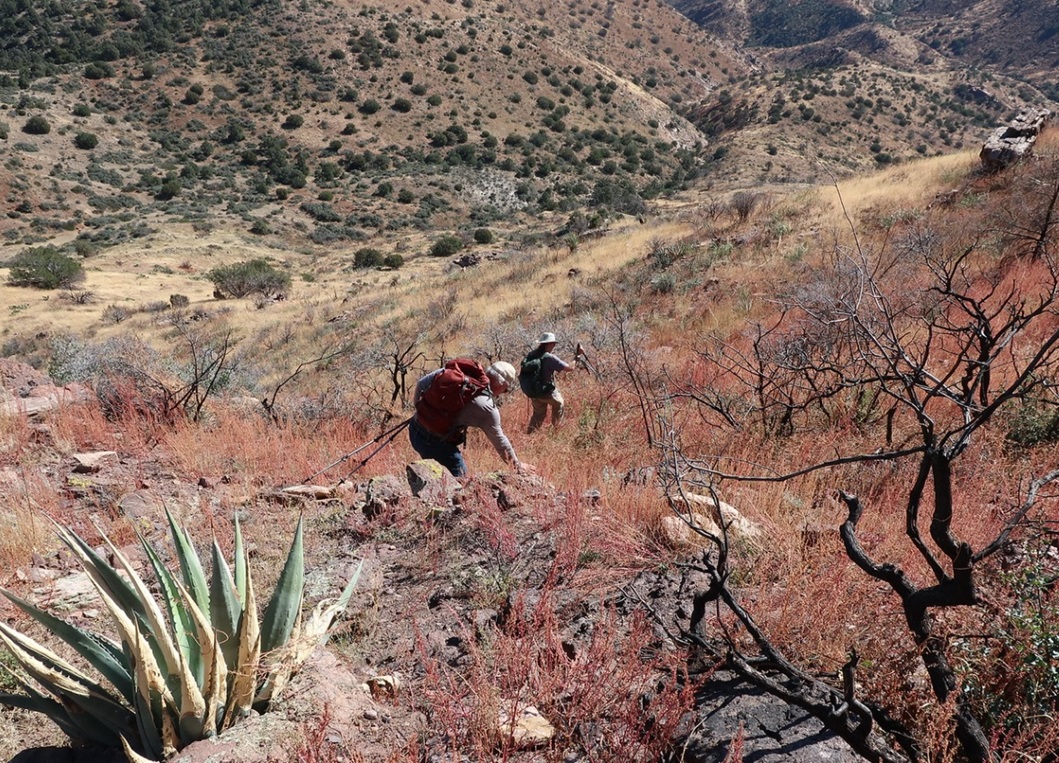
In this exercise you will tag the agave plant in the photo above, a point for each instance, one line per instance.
(191, 661)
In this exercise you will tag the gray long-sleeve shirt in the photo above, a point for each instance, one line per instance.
(480, 413)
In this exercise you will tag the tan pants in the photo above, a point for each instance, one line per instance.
(540, 410)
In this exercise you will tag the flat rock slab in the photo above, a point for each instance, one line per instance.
(773, 731)
(90, 463)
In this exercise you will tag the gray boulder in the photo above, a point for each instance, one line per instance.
(1012, 142)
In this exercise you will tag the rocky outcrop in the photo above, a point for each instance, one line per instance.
(1012, 142)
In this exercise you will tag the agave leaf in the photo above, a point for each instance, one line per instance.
(191, 701)
(103, 655)
(154, 698)
(241, 571)
(100, 715)
(76, 725)
(36, 702)
(178, 614)
(316, 631)
(132, 756)
(38, 660)
(280, 665)
(215, 689)
(148, 720)
(285, 605)
(102, 574)
(170, 735)
(147, 676)
(190, 566)
(243, 679)
(224, 607)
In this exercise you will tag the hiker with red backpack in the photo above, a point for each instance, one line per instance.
(450, 400)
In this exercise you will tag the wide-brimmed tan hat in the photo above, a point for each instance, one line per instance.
(546, 338)
(503, 372)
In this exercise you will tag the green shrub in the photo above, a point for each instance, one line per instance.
(446, 246)
(257, 276)
(321, 211)
(86, 141)
(36, 125)
(1033, 425)
(99, 70)
(169, 189)
(193, 659)
(367, 258)
(44, 268)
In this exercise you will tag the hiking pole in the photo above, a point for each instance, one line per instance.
(391, 433)
(582, 359)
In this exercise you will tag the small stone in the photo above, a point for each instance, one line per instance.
(529, 728)
(90, 463)
(384, 687)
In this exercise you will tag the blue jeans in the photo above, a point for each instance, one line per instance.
(428, 445)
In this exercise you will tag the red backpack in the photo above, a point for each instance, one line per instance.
(460, 381)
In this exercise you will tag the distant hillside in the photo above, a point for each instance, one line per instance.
(334, 123)
(841, 85)
(315, 124)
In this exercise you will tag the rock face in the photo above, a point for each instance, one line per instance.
(1010, 143)
(771, 730)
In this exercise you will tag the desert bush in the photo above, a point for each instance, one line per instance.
(322, 211)
(115, 314)
(86, 141)
(446, 246)
(744, 203)
(98, 70)
(169, 189)
(367, 257)
(83, 297)
(44, 268)
(36, 125)
(256, 276)
(194, 658)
